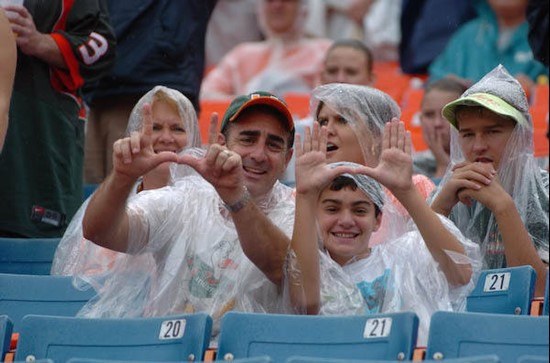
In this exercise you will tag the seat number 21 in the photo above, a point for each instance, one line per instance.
(377, 328)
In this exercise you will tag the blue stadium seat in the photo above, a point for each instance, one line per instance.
(6, 327)
(503, 291)
(377, 336)
(36, 294)
(546, 291)
(264, 359)
(492, 358)
(27, 255)
(455, 335)
(161, 339)
(89, 189)
(533, 359)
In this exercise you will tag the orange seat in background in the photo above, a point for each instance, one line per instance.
(298, 104)
(541, 142)
(207, 108)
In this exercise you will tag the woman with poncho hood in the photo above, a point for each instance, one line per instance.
(493, 189)
(76, 255)
(286, 61)
(355, 117)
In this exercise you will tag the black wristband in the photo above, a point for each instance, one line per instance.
(238, 205)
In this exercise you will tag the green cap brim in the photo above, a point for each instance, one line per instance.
(487, 100)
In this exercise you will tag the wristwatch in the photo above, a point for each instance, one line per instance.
(238, 205)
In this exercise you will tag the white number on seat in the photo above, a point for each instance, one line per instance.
(497, 282)
(172, 329)
(377, 328)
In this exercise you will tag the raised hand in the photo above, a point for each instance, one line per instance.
(312, 171)
(134, 156)
(394, 170)
(436, 143)
(220, 167)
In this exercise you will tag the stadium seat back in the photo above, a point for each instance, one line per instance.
(379, 336)
(503, 291)
(456, 335)
(21, 295)
(491, 358)
(6, 327)
(533, 359)
(546, 293)
(27, 255)
(264, 359)
(162, 339)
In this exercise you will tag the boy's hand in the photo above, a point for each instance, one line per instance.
(493, 196)
(466, 176)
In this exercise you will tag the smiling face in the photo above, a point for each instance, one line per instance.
(342, 143)
(262, 142)
(347, 218)
(483, 135)
(344, 64)
(169, 132)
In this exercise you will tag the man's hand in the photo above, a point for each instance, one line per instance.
(30, 41)
(28, 38)
(220, 167)
(134, 156)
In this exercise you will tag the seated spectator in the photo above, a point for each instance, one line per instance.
(493, 189)
(498, 35)
(223, 35)
(285, 61)
(218, 239)
(8, 60)
(372, 22)
(355, 117)
(175, 127)
(348, 61)
(435, 129)
(432, 267)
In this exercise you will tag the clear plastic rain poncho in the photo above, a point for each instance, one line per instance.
(197, 262)
(518, 174)
(366, 110)
(398, 275)
(286, 61)
(76, 255)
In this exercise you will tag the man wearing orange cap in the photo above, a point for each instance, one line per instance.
(217, 240)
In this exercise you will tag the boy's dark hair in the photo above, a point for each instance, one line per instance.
(341, 182)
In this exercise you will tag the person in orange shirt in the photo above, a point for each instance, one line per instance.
(285, 61)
